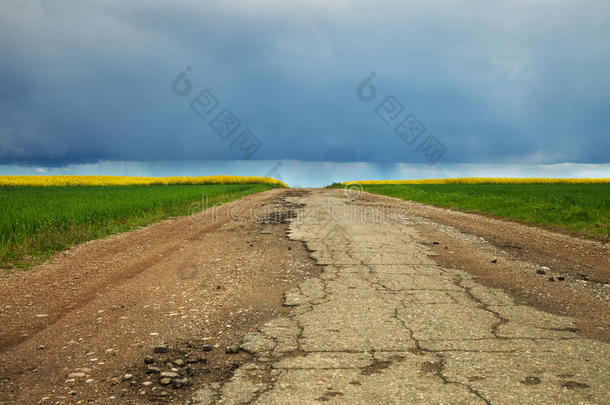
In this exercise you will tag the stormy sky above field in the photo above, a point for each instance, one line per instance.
(515, 82)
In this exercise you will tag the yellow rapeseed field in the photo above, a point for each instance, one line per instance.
(483, 180)
(128, 181)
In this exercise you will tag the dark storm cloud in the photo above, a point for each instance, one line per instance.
(510, 81)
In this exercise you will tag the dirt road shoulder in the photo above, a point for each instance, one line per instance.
(104, 320)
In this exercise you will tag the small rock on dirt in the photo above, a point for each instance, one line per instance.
(169, 374)
(180, 382)
(195, 360)
(575, 385)
(76, 375)
(233, 349)
(531, 380)
(153, 370)
(161, 349)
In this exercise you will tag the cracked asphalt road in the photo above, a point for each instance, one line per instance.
(385, 324)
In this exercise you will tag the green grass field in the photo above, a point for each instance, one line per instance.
(37, 221)
(583, 208)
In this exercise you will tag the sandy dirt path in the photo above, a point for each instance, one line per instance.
(80, 327)
(387, 322)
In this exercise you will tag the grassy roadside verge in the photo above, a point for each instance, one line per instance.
(581, 208)
(38, 221)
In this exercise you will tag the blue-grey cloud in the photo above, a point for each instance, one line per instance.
(519, 81)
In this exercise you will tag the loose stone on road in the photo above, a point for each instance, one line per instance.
(385, 324)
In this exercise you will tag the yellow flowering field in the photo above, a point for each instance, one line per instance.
(131, 181)
(485, 180)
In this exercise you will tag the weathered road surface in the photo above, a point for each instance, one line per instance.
(385, 324)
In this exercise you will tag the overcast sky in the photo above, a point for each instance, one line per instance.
(511, 82)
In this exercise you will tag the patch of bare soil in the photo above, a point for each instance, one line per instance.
(145, 316)
(553, 271)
